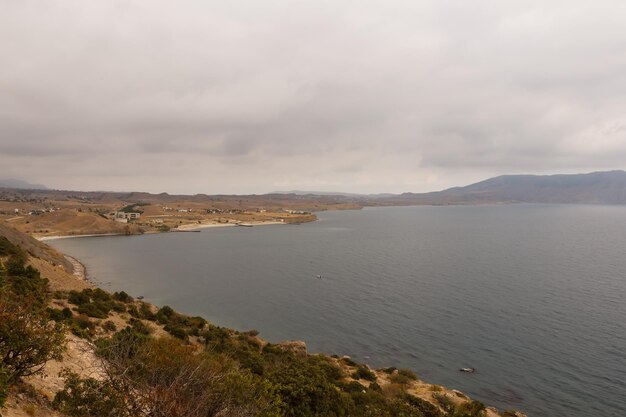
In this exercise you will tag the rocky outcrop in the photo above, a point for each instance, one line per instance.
(296, 346)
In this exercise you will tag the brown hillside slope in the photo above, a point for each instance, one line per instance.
(71, 222)
(34, 247)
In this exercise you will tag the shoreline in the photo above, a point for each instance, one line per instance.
(55, 237)
(182, 228)
(80, 272)
(188, 227)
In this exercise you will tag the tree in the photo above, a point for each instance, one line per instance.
(27, 339)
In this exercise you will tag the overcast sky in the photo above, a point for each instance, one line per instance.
(256, 96)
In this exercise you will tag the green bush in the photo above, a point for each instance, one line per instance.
(362, 372)
(139, 327)
(78, 298)
(422, 406)
(59, 315)
(399, 379)
(123, 297)
(95, 303)
(352, 387)
(81, 326)
(90, 398)
(471, 408)
(93, 310)
(305, 391)
(109, 326)
(28, 339)
(145, 312)
(407, 373)
(7, 248)
(164, 314)
(176, 331)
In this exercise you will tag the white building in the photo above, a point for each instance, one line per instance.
(124, 217)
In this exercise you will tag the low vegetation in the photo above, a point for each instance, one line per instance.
(28, 337)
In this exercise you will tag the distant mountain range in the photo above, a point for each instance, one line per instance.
(594, 188)
(607, 187)
(19, 184)
(334, 194)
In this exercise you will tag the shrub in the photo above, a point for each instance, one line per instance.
(348, 361)
(27, 339)
(139, 327)
(471, 408)
(109, 326)
(164, 314)
(375, 387)
(444, 401)
(362, 372)
(89, 397)
(352, 387)
(7, 248)
(93, 310)
(58, 314)
(78, 298)
(145, 312)
(305, 390)
(399, 379)
(422, 406)
(81, 326)
(407, 373)
(123, 297)
(172, 379)
(176, 331)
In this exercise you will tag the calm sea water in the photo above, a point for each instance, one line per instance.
(532, 296)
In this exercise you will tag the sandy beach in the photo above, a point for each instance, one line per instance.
(188, 227)
(45, 238)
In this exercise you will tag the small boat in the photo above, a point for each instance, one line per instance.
(140, 297)
(468, 370)
(319, 277)
(244, 224)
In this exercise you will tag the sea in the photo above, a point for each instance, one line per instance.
(531, 296)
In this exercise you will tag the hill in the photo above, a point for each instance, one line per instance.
(607, 187)
(19, 184)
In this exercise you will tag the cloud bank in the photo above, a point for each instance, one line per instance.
(361, 96)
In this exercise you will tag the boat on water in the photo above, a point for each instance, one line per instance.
(468, 370)
(244, 224)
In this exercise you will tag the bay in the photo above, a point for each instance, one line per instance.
(532, 296)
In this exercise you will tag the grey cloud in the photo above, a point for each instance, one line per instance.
(359, 96)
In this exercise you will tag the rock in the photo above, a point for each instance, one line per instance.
(296, 346)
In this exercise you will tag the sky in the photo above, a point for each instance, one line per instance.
(248, 96)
